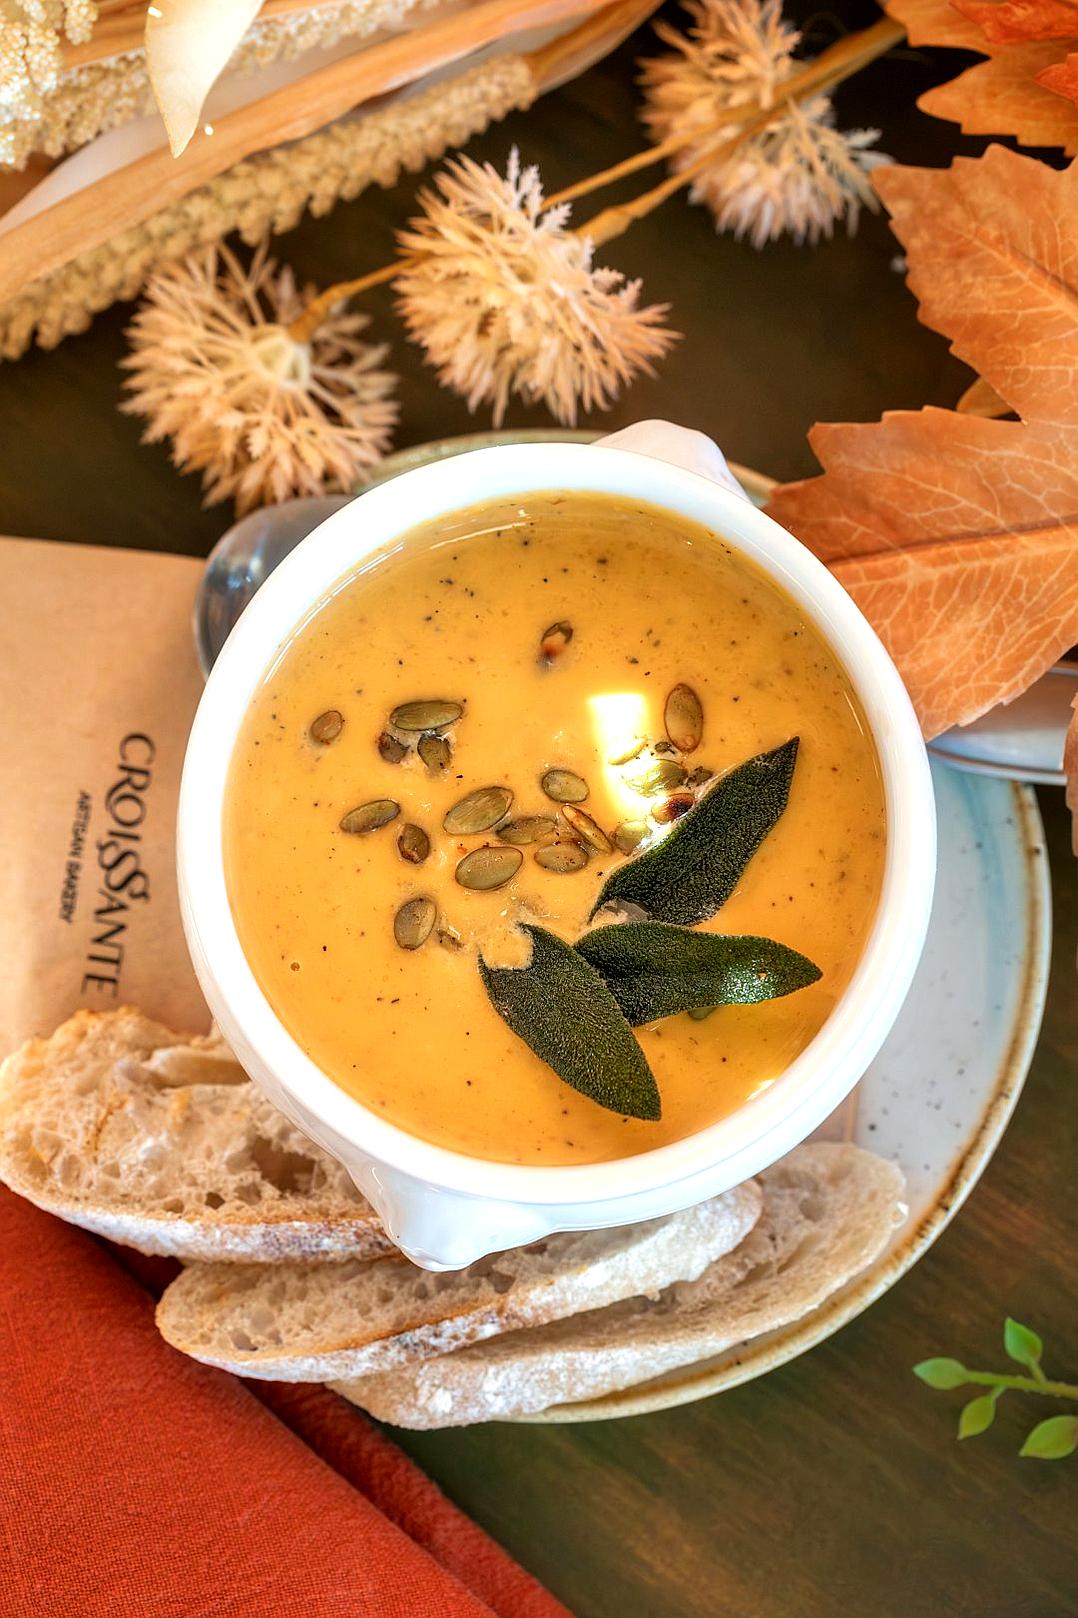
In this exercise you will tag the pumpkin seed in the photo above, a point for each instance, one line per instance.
(432, 715)
(628, 753)
(369, 816)
(683, 718)
(413, 844)
(327, 727)
(435, 752)
(553, 642)
(562, 858)
(478, 811)
(488, 867)
(528, 829)
(700, 1013)
(585, 827)
(414, 922)
(673, 807)
(662, 775)
(563, 786)
(390, 748)
(629, 835)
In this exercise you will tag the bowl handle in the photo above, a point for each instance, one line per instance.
(445, 1230)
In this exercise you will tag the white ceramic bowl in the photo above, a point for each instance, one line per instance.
(442, 1208)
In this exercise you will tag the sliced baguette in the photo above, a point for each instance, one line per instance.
(318, 1323)
(828, 1211)
(118, 1125)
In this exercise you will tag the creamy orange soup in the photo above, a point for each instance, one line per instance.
(457, 614)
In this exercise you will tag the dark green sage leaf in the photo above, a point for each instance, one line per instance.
(977, 1416)
(654, 969)
(1022, 1344)
(693, 871)
(1053, 1439)
(562, 1009)
(941, 1373)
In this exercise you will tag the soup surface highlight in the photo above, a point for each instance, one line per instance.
(636, 601)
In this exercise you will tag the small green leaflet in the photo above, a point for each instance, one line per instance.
(1022, 1345)
(693, 871)
(978, 1415)
(562, 1009)
(941, 1373)
(654, 969)
(1053, 1439)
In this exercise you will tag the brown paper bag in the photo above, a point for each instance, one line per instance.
(98, 687)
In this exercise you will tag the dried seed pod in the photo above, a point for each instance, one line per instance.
(683, 717)
(432, 714)
(414, 922)
(435, 752)
(673, 807)
(562, 858)
(564, 786)
(526, 829)
(587, 829)
(327, 727)
(390, 748)
(661, 775)
(369, 816)
(413, 844)
(478, 811)
(629, 835)
(489, 867)
(553, 642)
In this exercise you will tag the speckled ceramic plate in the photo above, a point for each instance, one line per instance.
(937, 1098)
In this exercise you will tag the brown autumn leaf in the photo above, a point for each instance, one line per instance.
(1015, 91)
(958, 535)
(1062, 77)
(1006, 20)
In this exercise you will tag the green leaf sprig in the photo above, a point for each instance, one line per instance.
(1050, 1440)
(576, 1005)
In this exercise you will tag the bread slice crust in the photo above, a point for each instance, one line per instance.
(160, 1141)
(828, 1211)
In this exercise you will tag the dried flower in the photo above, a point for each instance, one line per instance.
(505, 299)
(797, 176)
(30, 30)
(261, 415)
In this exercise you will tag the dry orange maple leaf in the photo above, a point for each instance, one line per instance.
(1025, 87)
(956, 535)
(1004, 20)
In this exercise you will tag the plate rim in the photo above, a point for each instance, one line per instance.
(790, 1342)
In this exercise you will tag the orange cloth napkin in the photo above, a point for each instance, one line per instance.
(135, 1483)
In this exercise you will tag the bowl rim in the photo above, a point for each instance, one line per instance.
(369, 529)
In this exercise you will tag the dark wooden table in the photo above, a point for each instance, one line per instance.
(833, 1486)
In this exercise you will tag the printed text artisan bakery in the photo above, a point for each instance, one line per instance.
(123, 881)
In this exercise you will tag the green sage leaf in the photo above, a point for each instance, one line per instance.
(693, 871)
(941, 1373)
(654, 969)
(1053, 1439)
(562, 1009)
(1022, 1344)
(977, 1416)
